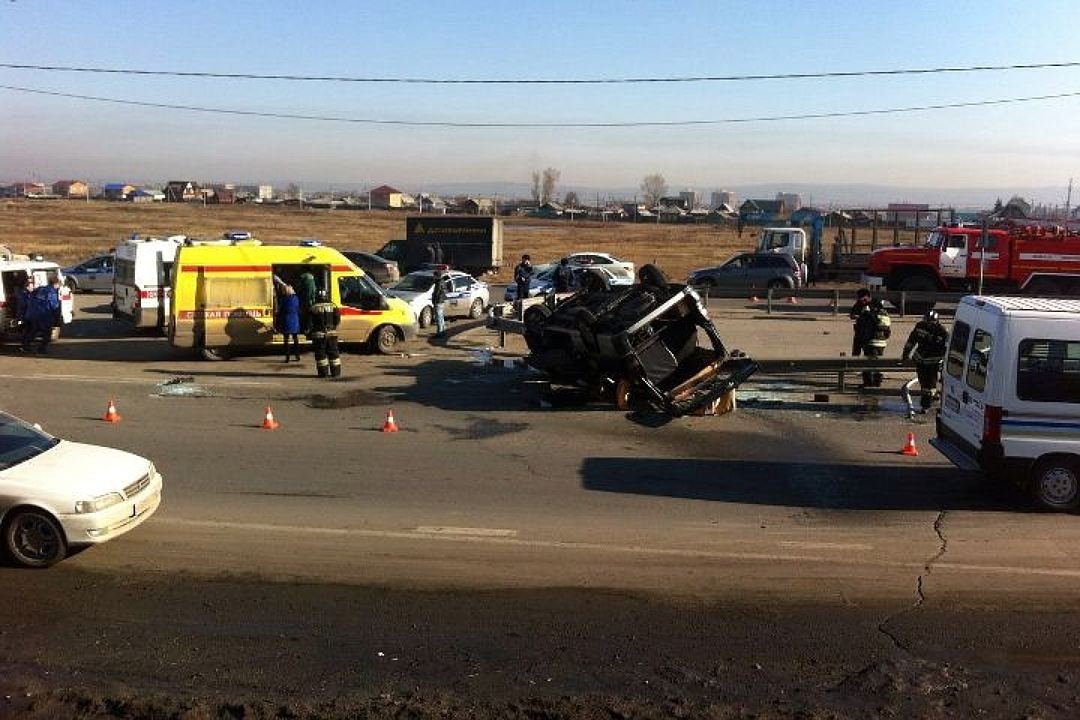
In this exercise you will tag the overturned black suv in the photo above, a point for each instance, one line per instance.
(638, 343)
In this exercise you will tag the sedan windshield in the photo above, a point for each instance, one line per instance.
(20, 441)
(414, 283)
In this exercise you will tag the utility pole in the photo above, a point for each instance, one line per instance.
(1068, 200)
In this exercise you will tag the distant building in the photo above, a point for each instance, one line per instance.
(690, 199)
(221, 194)
(762, 211)
(385, 197)
(722, 197)
(117, 191)
(791, 201)
(182, 191)
(23, 189)
(146, 195)
(70, 188)
(477, 206)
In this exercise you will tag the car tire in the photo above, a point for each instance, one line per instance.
(384, 340)
(213, 354)
(1055, 483)
(424, 320)
(622, 394)
(476, 310)
(33, 539)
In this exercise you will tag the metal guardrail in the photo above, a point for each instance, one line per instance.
(900, 299)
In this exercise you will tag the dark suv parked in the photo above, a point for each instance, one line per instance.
(383, 271)
(750, 271)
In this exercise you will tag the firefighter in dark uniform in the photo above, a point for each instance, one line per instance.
(926, 345)
(325, 318)
(872, 330)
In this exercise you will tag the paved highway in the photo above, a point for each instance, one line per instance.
(506, 551)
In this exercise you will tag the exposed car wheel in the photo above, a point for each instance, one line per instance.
(425, 317)
(34, 539)
(1055, 483)
(213, 354)
(385, 339)
(476, 310)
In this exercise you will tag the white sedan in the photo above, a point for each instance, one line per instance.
(465, 295)
(621, 269)
(56, 494)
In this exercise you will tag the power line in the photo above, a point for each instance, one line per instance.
(544, 81)
(630, 124)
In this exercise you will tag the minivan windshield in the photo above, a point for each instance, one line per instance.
(20, 441)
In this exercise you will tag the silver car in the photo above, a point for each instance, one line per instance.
(93, 275)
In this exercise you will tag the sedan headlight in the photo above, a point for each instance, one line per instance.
(98, 504)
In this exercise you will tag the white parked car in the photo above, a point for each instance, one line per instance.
(56, 494)
(543, 279)
(465, 295)
(623, 269)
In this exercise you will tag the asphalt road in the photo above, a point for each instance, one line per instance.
(501, 556)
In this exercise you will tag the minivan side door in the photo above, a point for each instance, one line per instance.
(966, 381)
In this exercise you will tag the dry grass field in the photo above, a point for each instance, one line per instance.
(67, 231)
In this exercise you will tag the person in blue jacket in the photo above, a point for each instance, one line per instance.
(289, 319)
(42, 309)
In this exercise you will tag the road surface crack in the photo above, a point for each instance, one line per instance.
(920, 585)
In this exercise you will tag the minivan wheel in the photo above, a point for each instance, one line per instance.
(34, 539)
(425, 318)
(1055, 483)
(385, 339)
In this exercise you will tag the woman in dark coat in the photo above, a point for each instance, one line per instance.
(289, 320)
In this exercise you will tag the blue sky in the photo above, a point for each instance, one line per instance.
(1023, 145)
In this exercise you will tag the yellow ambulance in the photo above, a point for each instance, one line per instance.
(224, 297)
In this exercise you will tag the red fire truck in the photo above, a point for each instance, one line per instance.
(1033, 260)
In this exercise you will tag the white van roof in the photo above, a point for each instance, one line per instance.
(1023, 305)
(27, 265)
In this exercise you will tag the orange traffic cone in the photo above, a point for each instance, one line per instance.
(269, 423)
(390, 425)
(909, 447)
(110, 413)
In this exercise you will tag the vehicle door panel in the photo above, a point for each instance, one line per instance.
(732, 274)
(362, 308)
(954, 372)
(954, 256)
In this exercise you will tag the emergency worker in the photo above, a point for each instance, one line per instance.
(862, 304)
(564, 276)
(926, 345)
(325, 318)
(523, 273)
(41, 311)
(873, 327)
(305, 290)
(438, 302)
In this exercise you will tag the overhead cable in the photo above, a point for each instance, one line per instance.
(543, 81)
(612, 124)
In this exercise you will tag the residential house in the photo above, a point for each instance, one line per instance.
(761, 212)
(221, 195)
(182, 191)
(804, 216)
(146, 195)
(637, 211)
(385, 197)
(478, 206)
(429, 203)
(117, 191)
(70, 188)
(550, 209)
(23, 189)
(671, 211)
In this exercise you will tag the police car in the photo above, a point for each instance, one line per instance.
(465, 295)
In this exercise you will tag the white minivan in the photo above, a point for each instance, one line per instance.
(1010, 403)
(142, 273)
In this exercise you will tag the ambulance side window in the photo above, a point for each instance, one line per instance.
(979, 360)
(954, 365)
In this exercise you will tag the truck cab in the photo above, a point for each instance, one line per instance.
(788, 241)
